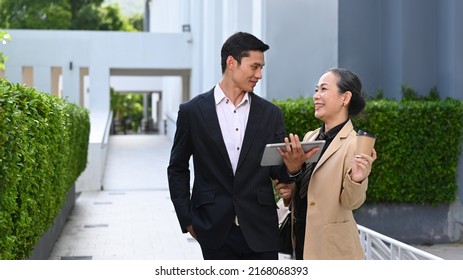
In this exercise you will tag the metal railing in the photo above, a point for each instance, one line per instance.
(380, 247)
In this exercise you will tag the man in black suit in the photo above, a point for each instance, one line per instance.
(232, 210)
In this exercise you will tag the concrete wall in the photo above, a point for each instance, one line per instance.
(414, 43)
(303, 39)
(44, 246)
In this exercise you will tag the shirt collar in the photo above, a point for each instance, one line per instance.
(219, 96)
(334, 131)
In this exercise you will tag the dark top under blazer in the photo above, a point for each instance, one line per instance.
(218, 195)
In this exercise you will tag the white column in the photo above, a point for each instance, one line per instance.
(257, 19)
(258, 31)
(154, 107)
(165, 16)
(185, 14)
(230, 18)
(92, 178)
(145, 105)
(99, 88)
(213, 39)
(71, 83)
(42, 78)
(156, 112)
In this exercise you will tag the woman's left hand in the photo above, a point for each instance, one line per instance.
(361, 166)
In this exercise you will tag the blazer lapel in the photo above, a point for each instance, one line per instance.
(211, 121)
(335, 144)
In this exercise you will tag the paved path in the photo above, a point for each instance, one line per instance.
(446, 251)
(133, 217)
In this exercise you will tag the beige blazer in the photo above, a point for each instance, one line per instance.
(331, 231)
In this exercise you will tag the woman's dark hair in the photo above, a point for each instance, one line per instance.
(349, 81)
(238, 45)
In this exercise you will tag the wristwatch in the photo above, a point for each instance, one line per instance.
(296, 176)
(293, 176)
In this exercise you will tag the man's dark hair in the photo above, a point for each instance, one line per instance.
(238, 45)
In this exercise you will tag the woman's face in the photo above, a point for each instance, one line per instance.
(331, 106)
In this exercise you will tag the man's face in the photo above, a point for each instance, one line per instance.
(249, 72)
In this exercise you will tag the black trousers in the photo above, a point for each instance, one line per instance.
(299, 232)
(300, 209)
(236, 248)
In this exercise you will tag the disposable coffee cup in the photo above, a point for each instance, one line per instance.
(365, 142)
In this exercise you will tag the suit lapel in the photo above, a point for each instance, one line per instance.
(335, 144)
(211, 121)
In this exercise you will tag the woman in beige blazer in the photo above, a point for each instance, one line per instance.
(338, 182)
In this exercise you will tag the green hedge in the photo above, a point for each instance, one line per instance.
(418, 145)
(43, 150)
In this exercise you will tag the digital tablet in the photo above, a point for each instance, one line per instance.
(272, 156)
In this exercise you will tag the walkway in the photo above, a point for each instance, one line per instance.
(133, 217)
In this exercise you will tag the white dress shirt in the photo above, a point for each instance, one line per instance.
(233, 121)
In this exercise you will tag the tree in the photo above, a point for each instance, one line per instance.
(136, 21)
(87, 18)
(108, 17)
(5, 38)
(78, 5)
(127, 110)
(63, 14)
(112, 19)
(35, 14)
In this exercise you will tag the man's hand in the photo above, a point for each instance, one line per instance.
(285, 191)
(191, 231)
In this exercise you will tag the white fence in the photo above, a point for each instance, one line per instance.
(381, 247)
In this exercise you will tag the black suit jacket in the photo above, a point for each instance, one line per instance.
(217, 194)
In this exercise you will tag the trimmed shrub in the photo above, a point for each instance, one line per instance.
(418, 145)
(43, 150)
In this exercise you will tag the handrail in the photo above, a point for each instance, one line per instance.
(380, 247)
(107, 129)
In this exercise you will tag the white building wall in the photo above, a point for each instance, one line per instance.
(211, 40)
(70, 83)
(166, 16)
(135, 83)
(197, 44)
(212, 22)
(100, 52)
